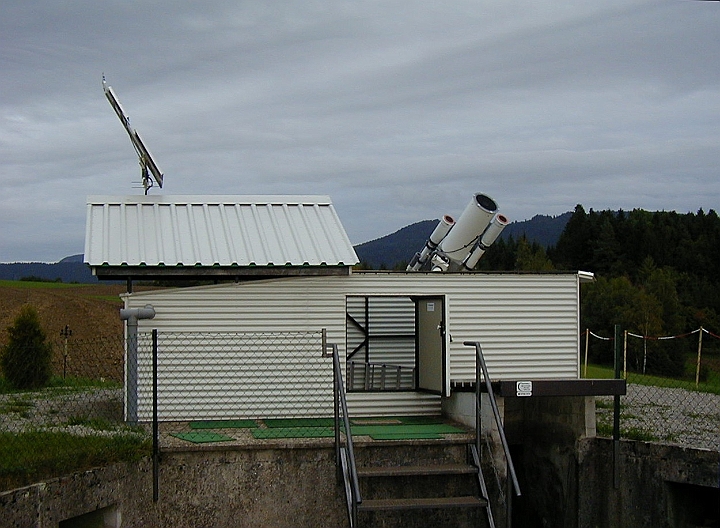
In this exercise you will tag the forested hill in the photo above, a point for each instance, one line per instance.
(397, 249)
(658, 274)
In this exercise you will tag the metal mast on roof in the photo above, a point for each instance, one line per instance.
(147, 164)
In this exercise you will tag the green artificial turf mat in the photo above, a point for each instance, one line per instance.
(299, 422)
(223, 424)
(293, 432)
(202, 437)
(417, 420)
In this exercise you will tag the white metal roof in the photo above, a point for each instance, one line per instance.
(212, 231)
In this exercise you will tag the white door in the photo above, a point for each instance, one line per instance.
(431, 347)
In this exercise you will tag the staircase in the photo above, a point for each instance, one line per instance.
(415, 483)
(419, 483)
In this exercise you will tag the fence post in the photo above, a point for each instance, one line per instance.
(625, 333)
(587, 342)
(616, 414)
(697, 369)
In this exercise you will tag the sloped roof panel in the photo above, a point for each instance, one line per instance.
(215, 231)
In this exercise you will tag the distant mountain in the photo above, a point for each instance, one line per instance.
(382, 253)
(400, 246)
(69, 269)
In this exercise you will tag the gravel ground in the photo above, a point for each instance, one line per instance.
(54, 409)
(668, 415)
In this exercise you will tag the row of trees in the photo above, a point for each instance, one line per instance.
(657, 274)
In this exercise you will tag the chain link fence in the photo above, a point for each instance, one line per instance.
(681, 409)
(195, 388)
(74, 421)
(233, 387)
(189, 388)
(669, 411)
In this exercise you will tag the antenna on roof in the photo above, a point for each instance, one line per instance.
(147, 164)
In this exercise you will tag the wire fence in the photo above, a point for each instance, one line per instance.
(99, 404)
(71, 419)
(683, 409)
(102, 396)
(235, 387)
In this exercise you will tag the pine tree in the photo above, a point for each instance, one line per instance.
(26, 359)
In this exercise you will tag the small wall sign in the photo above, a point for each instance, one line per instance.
(523, 388)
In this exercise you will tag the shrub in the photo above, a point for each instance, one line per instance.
(26, 359)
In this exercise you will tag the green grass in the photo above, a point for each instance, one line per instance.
(711, 386)
(38, 455)
(630, 433)
(598, 372)
(58, 385)
(38, 284)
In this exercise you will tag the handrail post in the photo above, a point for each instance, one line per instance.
(341, 406)
(496, 412)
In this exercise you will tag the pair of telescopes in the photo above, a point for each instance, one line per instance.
(458, 246)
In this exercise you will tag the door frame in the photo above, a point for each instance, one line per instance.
(443, 388)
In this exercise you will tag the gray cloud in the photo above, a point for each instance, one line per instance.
(398, 110)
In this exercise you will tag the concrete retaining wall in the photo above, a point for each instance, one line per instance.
(218, 488)
(658, 485)
(567, 482)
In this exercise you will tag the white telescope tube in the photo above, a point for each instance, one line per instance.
(490, 235)
(472, 223)
(493, 231)
(440, 231)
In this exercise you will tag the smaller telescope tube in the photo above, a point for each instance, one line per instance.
(439, 233)
(441, 230)
(493, 231)
(489, 236)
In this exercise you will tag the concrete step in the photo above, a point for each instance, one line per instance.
(410, 453)
(421, 503)
(420, 470)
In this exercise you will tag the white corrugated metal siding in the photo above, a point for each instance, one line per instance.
(236, 376)
(528, 324)
(215, 231)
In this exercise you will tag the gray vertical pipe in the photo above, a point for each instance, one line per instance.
(156, 431)
(132, 316)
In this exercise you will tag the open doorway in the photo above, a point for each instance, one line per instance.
(396, 343)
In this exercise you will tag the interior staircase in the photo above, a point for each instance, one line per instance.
(420, 483)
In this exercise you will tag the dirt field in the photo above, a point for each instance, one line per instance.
(91, 311)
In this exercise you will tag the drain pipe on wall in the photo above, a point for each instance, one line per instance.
(132, 316)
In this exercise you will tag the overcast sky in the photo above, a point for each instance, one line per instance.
(398, 110)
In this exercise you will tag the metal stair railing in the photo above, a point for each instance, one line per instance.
(344, 453)
(481, 373)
